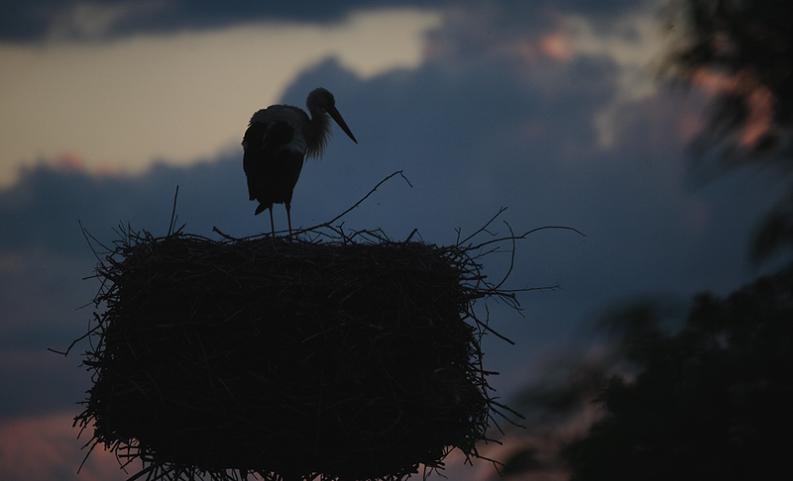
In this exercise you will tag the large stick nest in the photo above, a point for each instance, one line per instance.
(332, 354)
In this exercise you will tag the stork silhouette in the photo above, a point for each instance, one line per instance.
(277, 141)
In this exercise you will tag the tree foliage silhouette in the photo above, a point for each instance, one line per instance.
(712, 399)
(749, 44)
(710, 402)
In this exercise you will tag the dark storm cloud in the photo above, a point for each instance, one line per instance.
(25, 21)
(24, 371)
(471, 141)
(474, 130)
(101, 202)
(30, 21)
(492, 135)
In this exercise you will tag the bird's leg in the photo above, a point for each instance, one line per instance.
(272, 223)
(289, 216)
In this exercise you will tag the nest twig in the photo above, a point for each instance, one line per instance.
(334, 353)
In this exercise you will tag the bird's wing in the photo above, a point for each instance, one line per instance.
(283, 116)
(272, 133)
(286, 113)
(253, 148)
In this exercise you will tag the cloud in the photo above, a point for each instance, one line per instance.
(478, 124)
(42, 382)
(94, 20)
(121, 105)
(471, 139)
(76, 92)
(91, 19)
(46, 448)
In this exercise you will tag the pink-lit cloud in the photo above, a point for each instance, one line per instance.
(126, 104)
(757, 97)
(46, 448)
(689, 125)
(69, 161)
(557, 46)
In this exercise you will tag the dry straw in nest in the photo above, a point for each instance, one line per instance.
(330, 354)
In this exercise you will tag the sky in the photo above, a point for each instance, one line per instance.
(553, 109)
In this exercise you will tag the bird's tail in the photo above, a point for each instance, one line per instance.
(260, 209)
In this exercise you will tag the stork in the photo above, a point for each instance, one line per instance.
(277, 141)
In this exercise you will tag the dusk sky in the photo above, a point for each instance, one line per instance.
(554, 109)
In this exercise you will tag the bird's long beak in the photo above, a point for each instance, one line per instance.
(339, 120)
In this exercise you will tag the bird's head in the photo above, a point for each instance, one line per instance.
(320, 100)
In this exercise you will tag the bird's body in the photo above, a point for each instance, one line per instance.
(276, 143)
(274, 147)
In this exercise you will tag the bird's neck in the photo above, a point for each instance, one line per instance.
(317, 132)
